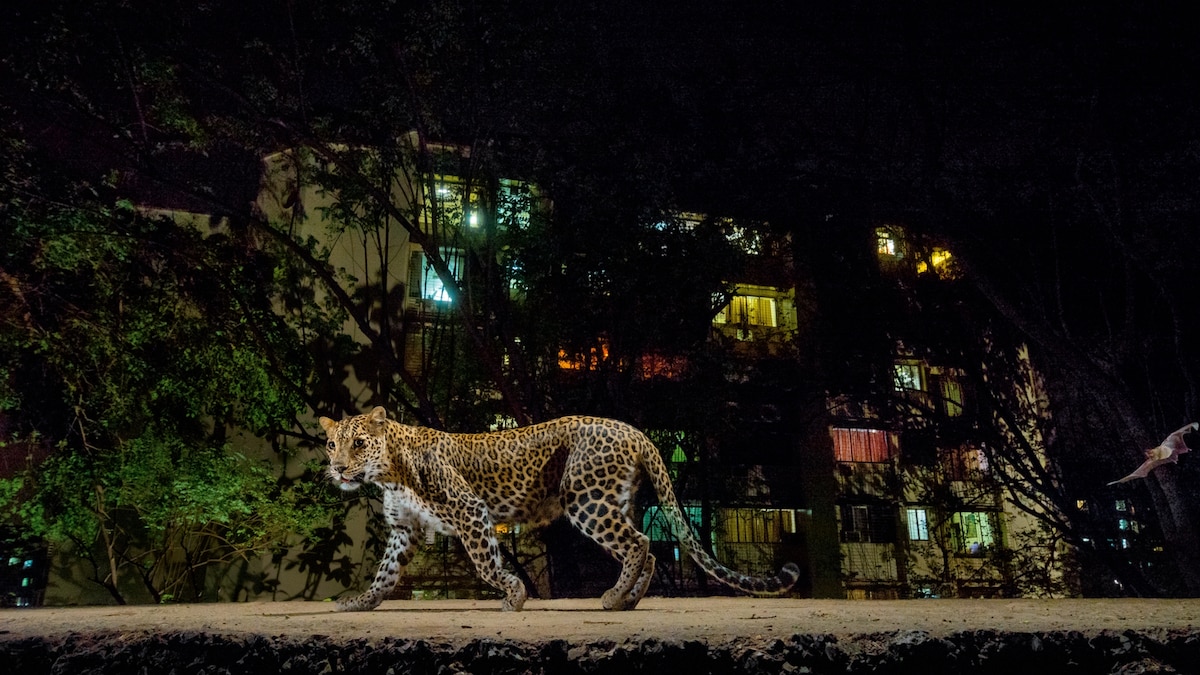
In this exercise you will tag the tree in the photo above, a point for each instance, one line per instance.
(168, 92)
(1095, 292)
(134, 347)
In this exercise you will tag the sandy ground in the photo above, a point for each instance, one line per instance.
(708, 619)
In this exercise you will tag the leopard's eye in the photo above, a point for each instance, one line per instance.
(331, 445)
(358, 443)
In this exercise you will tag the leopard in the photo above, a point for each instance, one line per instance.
(584, 468)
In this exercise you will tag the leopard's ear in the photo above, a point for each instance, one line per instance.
(327, 424)
(378, 417)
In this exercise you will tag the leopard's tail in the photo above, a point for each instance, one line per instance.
(778, 584)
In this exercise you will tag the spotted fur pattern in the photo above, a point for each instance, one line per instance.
(584, 468)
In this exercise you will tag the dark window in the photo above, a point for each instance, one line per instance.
(868, 523)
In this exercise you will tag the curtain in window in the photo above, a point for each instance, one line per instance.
(860, 445)
(751, 310)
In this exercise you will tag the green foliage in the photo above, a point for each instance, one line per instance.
(132, 347)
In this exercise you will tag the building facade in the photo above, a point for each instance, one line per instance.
(878, 489)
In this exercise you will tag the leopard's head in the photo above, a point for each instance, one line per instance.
(357, 448)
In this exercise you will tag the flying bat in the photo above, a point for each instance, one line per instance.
(1167, 453)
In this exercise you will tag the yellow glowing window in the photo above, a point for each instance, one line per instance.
(749, 310)
(939, 262)
(754, 526)
(887, 244)
(952, 396)
(454, 204)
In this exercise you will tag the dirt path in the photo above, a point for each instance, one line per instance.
(707, 619)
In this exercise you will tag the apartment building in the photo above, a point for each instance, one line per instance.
(883, 491)
(883, 495)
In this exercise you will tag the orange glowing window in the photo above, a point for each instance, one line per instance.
(659, 366)
(589, 360)
(860, 445)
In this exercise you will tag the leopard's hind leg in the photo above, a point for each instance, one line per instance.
(601, 511)
(643, 582)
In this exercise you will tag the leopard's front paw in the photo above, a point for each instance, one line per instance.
(515, 600)
(360, 603)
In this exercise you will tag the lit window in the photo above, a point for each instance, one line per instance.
(860, 445)
(939, 262)
(660, 366)
(754, 526)
(909, 381)
(887, 244)
(514, 204)
(591, 360)
(972, 531)
(952, 396)
(671, 446)
(918, 525)
(502, 422)
(671, 443)
(966, 463)
(908, 377)
(749, 310)
(1129, 525)
(1121, 505)
(512, 207)
(746, 239)
(452, 208)
(657, 526)
(423, 280)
